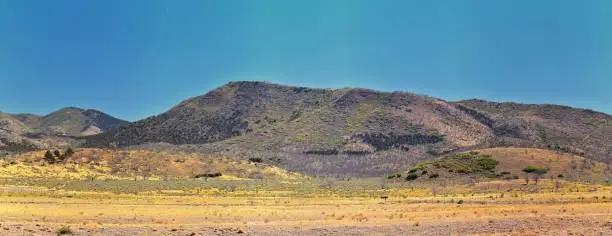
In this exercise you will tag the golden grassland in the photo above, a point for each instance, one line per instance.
(270, 207)
(98, 192)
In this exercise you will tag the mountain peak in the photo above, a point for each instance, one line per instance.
(77, 109)
(248, 83)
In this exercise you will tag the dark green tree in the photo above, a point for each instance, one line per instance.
(69, 152)
(57, 153)
(49, 158)
(536, 171)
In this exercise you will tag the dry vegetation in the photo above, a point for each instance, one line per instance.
(574, 208)
(101, 164)
(507, 164)
(39, 198)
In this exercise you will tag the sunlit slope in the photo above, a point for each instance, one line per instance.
(138, 164)
(509, 163)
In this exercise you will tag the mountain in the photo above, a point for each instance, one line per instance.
(71, 121)
(357, 131)
(20, 132)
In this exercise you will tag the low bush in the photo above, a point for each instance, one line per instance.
(394, 176)
(208, 175)
(411, 176)
(63, 230)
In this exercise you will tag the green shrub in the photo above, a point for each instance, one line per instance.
(49, 158)
(560, 176)
(68, 153)
(208, 175)
(486, 163)
(535, 170)
(256, 160)
(394, 176)
(411, 176)
(462, 163)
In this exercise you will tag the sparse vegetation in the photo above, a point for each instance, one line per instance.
(64, 230)
(49, 158)
(92, 164)
(412, 176)
(208, 175)
(394, 176)
(68, 153)
(536, 171)
(462, 163)
(256, 160)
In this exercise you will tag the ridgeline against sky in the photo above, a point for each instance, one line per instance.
(137, 58)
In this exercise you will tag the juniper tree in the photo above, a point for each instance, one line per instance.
(536, 171)
(49, 158)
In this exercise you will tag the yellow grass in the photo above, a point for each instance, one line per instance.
(138, 164)
(91, 210)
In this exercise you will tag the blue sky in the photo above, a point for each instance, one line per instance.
(136, 58)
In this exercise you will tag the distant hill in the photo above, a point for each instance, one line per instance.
(22, 132)
(71, 121)
(357, 131)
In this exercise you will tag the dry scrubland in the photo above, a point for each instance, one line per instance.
(579, 209)
(46, 199)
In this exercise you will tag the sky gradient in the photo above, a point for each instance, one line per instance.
(137, 58)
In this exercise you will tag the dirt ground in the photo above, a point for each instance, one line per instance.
(526, 226)
(175, 215)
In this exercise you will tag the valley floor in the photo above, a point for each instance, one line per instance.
(24, 212)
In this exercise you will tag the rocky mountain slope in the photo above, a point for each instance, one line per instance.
(357, 131)
(21, 132)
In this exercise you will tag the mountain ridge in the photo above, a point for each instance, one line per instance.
(297, 125)
(318, 131)
(24, 131)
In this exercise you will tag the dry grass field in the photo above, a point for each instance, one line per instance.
(99, 192)
(573, 210)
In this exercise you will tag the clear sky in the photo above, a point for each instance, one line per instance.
(136, 58)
